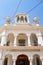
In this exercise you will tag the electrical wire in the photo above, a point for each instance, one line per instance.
(27, 11)
(34, 7)
(17, 8)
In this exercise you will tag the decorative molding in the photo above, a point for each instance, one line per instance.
(22, 48)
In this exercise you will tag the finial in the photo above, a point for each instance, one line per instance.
(8, 20)
(36, 22)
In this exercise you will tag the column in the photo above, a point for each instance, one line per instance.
(28, 17)
(15, 40)
(30, 61)
(40, 41)
(14, 62)
(29, 40)
(42, 62)
(24, 19)
(1, 61)
(3, 40)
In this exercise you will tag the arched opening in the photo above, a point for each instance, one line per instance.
(25, 18)
(0, 40)
(10, 39)
(8, 60)
(5, 61)
(36, 60)
(17, 18)
(22, 60)
(22, 39)
(33, 40)
(22, 18)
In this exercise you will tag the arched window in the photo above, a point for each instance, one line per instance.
(33, 40)
(10, 39)
(22, 60)
(36, 60)
(22, 39)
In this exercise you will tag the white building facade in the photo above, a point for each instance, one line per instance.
(21, 43)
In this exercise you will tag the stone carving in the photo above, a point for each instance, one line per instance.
(8, 20)
(35, 20)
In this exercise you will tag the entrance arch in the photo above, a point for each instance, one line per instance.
(22, 60)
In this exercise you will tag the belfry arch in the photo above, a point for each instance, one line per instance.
(22, 39)
(33, 40)
(22, 60)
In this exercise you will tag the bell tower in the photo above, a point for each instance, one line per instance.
(22, 19)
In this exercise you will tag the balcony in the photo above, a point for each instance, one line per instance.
(22, 48)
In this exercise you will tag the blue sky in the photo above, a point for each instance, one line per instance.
(8, 8)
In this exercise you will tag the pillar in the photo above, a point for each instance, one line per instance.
(15, 40)
(40, 41)
(29, 40)
(28, 19)
(42, 62)
(14, 62)
(3, 40)
(30, 61)
(1, 61)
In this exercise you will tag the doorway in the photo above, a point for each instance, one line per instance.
(22, 60)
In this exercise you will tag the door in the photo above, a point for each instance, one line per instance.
(22, 60)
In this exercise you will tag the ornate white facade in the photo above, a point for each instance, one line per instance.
(21, 43)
